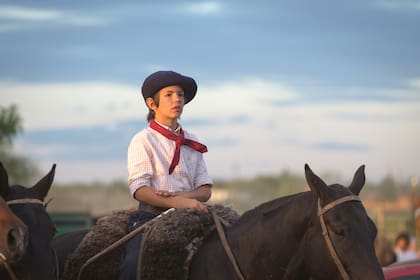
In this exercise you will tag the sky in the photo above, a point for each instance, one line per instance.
(335, 84)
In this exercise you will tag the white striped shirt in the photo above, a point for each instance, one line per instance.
(149, 156)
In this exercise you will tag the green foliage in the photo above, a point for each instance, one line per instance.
(10, 124)
(19, 168)
(388, 189)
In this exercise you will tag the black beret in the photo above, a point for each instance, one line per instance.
(160, 79)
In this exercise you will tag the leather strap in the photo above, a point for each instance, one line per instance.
(331, 249)
(25, 200)
(6, 265)
(226, 246)
(331, 205)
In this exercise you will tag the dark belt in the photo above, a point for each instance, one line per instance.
(151, 209)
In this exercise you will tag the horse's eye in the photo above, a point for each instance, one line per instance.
(339, 231)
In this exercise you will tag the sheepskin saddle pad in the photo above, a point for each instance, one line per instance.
(168, 245)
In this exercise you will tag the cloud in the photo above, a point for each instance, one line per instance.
(337, 146)
(66, 105)
(101, 142)
(243, 97)
(415, 83)
(204, 8)
(77, 122)
(28, 14)
(399, 5)
(244, 103)
(222, 142)
(18, 18)
(79, 143)
(408, 92)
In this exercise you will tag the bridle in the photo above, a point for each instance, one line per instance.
(331, 249)
(3, 259)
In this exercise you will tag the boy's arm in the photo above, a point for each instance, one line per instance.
(173, 200)
(202, 193)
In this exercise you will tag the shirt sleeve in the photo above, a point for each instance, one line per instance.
(201, 175)
(139, 164)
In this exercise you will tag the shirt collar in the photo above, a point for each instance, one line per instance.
(177, 130)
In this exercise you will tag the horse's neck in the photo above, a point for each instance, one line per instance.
(277, 227)
(277, 214)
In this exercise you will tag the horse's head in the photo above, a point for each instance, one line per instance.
(13, 232)
(28, 205)
(348, 229)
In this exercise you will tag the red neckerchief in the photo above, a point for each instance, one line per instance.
(179, 140)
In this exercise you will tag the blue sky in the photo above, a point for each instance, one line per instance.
(335, 84)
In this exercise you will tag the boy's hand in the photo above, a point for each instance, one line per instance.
(182, 202)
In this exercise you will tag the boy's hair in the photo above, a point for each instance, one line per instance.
(403, 236)
(151, 114)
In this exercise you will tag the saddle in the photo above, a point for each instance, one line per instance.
(168, 245)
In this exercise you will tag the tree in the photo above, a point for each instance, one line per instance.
(19, 168)
(388, 189)
(10, 124)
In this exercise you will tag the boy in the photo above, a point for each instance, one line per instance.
(165, 164)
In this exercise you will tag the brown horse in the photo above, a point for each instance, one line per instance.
(13, 235)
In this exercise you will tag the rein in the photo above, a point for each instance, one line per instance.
(6, 265)
(331, 249)
(218, 222)
(3, 260)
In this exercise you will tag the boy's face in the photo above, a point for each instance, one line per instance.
(402, 243)
(171, 104)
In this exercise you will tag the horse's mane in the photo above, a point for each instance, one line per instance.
(334, 191)
(271, 206)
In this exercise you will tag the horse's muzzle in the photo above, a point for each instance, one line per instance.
(17, 241)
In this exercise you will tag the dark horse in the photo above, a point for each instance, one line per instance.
(324, 233)
(38, 262)
(13, 235)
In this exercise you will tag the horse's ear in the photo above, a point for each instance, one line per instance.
(314, 182)
(4, 181)
(358, 180)
(44, 185)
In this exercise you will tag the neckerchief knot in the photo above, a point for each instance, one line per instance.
(179, 140)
